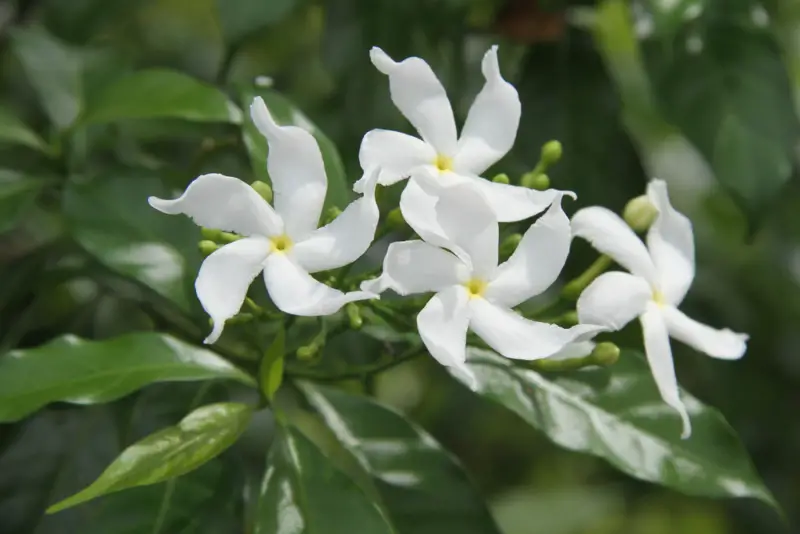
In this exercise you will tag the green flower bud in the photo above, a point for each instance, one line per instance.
(263, 189)
(241, 318)
(501, 178)
(307, 352)
(535, 180)
(227, 237)
(551, 153)
(605, 353)
(395, 220)
(640, 213)
(331, 214)
(211, 234)
(509, 245)
(354, 314)
(207, 247)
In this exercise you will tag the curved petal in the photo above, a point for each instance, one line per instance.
(512, 203)
(608, 233)
(345, 239)
(671, 244)
(442, 325)
(492, 122)
(420, 97)
(516, 337)
(223, 203)
(537, 261)
(395, 154)
(659, 355)
(724, 344)
(297, 172)
(575, 350)
(613, 300)
(294, 291)
(224, 277)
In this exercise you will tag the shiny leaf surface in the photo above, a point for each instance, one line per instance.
(70, 369)
(271, 369)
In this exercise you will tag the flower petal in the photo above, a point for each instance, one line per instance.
(224, 277)
(575, 350)
(724, 344)
(608, 233)
(395, 153)
(659, 355)
(492, 122)
(345, 239)
(613, 300)
(442, 325)
(297, 172)
(516, 337)
(671, 244)
(537, 261)
(417, 267)
(223, 203)
(512, 203)
(294, 291)
(420, 97)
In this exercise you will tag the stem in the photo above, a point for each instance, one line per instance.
(574, 288)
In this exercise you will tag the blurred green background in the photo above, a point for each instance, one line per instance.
(702, 93)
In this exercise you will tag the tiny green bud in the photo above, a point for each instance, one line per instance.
(568, 319)
(509, 245)
(307, 352)
(263, 189)
(331, 214)
(241, 318)
(354, 314)
(501, 178)
(207, 247)
(640, 213)
(227, 237)
(211, 234)
(605, 353)
(551, 153)
(535, 180)
(395, 220)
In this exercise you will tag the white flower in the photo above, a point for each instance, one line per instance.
(441, 158)
(472, 291)
(284, 243)
(661, 275)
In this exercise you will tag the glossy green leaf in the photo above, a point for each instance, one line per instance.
(17, 195)
(160, 93)
(70, 369)
(285, 113)
(423, 488)
(169, 453)
(14, 131)
(271, 369)
(241, 18)
(616, 413)
(303, 493)
(54, 71)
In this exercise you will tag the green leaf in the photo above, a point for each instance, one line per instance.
(160, 93)
(53, 70)
(304, 493)
(422, 486)
(241, 18)
(17, 195)
(285, 113)
(617, 414)
(70, 369)
(110, 217)
(169, 453)
(271, 369)
(14, 131)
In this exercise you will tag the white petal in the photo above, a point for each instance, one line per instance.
(512, 203)
(296, 292)
(613, 300)
(442, 325)
(671, 244)
(345, 239)
(418, 94)
(516, 337)
(223, 203)
(609, 234)
(492, 122)
(417, 267)
(659, 355)
(395, 153)
(724, 344)
(224, 277)
(537, 261)
(573, 351)
(297, 172)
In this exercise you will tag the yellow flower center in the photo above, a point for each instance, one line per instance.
(658, 297)
(443, 163)
(476, 288)
(281, 243)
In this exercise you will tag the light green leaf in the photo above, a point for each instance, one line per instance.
(70, 369)
(241, 18)
(616, 413)
(169, 453)
(271, 368)
(422, 486)
(14, 131)
(17, 195)
(303, 493)
(160, 93)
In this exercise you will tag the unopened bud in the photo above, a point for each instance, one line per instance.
(605, 353)
(501, 179)
(211, 234)
(509, 245)
(207, 247)
(535, 180)
(395, 220)
(640, 213)
(354, 315)
(331, 214)
(263, 189)
(551, 153)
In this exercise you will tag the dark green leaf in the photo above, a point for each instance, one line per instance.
(424, 489)
(14, 131)
(87, 372)
(241, 18)
(271, 369)
(17, 195)
(53, 70)
(303, 493)
(617, 414)
(169, 453)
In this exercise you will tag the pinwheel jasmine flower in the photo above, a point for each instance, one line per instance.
(661, 274)
(283, 242)
(472, 291)
(440, 158)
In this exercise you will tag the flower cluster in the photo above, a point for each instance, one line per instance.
(456, 214)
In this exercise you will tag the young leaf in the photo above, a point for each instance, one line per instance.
(14, 131)
(17, 195)
(617, 414)
(422, 486)
(271, 369)
(304, 493)
(70, 369)
(169, 453)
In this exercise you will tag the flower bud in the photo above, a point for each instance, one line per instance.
(307, 352)
(551, 153)
(263, 189)
(501, 179)
(395, 220)
(509, 245)
(331, 214)
(640, 213)
(211, 234)
(605, 353)
(535, 180)
(207, 247)
(354, 315)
